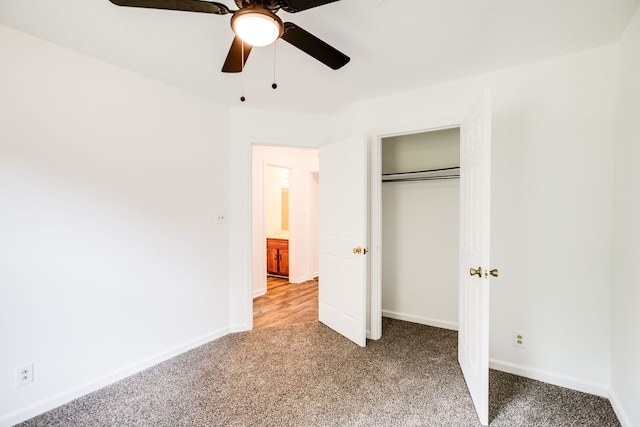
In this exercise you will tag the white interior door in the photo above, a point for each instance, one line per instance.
(343, 229)
(475, 175)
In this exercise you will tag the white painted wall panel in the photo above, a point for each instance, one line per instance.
(421, 151)
(272, 186)
(110, 257)
(420, 251)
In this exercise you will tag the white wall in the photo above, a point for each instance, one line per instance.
(420, 252)
(301, 163)
(553, 131)
(625, 381)
(272, 185)
(421, 151)
(110, 258)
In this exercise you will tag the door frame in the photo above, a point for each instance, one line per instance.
(375, 220)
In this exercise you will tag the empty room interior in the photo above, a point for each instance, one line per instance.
(136, 144)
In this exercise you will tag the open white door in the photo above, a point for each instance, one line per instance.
(473, 322)
(342, 237)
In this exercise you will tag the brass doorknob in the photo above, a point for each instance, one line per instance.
(494, 272)
(357, 250)
(476, 272)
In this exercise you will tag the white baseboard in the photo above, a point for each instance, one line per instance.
(259, 292)
(240, 327)
(617, 408)
(550, 377)
(303, 279)
(61, 398)
(421, 320)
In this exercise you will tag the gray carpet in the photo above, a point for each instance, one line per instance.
(307, 375)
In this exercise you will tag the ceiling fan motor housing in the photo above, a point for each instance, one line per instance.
(273, 5)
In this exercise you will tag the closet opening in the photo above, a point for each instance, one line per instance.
(420, 227)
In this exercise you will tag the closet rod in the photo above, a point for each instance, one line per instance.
(425, 175)
(421, 179)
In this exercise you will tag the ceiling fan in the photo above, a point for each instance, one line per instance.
(255, 23)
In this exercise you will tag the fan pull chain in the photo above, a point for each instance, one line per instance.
(242, 98)
(274, 85)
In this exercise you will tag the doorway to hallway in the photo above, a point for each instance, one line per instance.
(284, 234)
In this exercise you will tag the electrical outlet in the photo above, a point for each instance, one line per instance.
(518, 339)
(220, 218)
(24, 375)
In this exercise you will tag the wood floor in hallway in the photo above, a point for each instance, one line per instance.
(286, 303)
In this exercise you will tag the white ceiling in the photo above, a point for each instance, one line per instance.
(394, 45)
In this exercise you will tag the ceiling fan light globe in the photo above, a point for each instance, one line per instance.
(258, 27)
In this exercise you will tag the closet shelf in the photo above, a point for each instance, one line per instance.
(426, 175)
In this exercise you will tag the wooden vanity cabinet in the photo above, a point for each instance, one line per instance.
(278, 257)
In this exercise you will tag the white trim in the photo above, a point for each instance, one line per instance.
(240, 327)
(312, 255)
(551, 377)
(424, 126)
(248, 253)
(375, 230)
(619, 410)
(263, 228)
(444, 324)
(61, 398)
(299, 279)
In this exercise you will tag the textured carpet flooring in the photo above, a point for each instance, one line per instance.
(307, 375)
